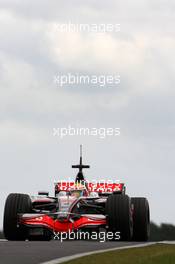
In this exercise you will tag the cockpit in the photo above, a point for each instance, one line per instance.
(76, 193)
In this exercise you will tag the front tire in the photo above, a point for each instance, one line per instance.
(119, 215)
(16, 203)
(141, 219)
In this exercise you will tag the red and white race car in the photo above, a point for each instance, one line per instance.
(77, 206)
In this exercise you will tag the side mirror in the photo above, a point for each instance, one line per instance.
(43, 193)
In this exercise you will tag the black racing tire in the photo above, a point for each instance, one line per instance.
(119, 215)
(46, 236)
(141, 219)
(16, 203)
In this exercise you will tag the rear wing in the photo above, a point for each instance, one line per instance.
(107, 187)
(99, 187)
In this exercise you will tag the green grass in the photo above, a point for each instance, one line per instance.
(156, 254)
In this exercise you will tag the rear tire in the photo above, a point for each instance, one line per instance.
(119, 215)
(141, 219)
(16, 203)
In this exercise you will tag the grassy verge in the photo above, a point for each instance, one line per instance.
(156, 254)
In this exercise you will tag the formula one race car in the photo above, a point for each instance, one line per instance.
(77, 206)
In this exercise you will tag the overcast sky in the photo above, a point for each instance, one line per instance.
(33, 51)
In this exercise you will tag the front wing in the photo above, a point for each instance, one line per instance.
(62, 224)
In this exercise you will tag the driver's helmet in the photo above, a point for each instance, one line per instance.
(78, 190)
(76, 193)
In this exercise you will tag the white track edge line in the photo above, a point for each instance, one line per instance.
(79, 255)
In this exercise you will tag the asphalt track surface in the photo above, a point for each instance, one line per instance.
(35, 252)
